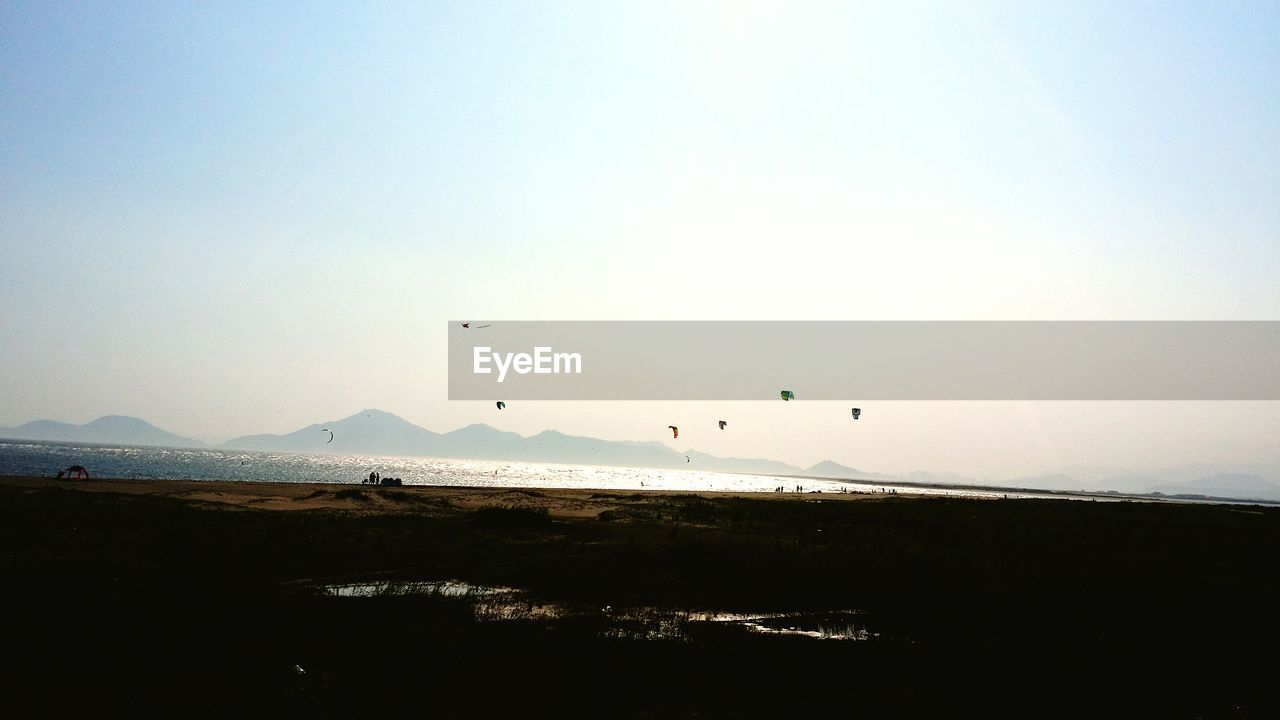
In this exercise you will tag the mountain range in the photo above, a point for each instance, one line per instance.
(376, 432)
(107, 430)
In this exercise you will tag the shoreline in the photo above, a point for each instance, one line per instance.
(284, 495)
(857, 488)
(1037, 493)
(855, 485)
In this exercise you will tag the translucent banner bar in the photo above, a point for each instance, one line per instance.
(979, 360)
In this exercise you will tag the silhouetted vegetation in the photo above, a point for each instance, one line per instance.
(398, 496)
(511, 516)
(352, 494)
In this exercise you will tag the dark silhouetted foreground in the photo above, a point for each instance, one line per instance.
(182, 599)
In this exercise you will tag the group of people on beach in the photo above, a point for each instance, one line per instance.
(377, 479)
(800, 489)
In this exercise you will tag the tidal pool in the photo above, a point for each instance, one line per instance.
(497, 604)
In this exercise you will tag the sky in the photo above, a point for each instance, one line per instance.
(230, 218)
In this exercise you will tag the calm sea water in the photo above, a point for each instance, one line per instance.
(20, 457)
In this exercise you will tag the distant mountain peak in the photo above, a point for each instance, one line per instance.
(833, 469)
(108, 429)
(479, 430)
(119, 421)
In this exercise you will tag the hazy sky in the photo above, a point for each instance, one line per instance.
(232, 218)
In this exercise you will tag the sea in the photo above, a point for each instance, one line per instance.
(44, 459)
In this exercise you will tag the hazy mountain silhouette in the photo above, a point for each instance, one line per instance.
(1056, 481)
(374, 432)
(555, 446)
(836, 471)
(480, 441)
(368, 432)
(109, 429)
(1225, 485)
(703, 461)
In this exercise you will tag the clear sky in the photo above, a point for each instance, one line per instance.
(230, 218)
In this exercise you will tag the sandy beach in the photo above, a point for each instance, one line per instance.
(356, 498)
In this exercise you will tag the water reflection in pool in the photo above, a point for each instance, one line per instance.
(497, 604)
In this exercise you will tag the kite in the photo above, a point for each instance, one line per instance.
(675, 431)
(788, 395)
(722, 424)
(326, 442)
(857, 412)
(501, 405)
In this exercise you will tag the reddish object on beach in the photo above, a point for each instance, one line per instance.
(75, 472)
